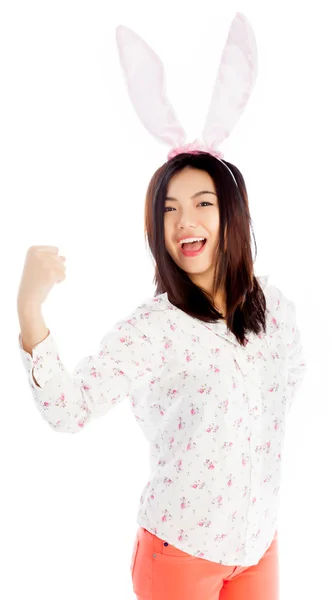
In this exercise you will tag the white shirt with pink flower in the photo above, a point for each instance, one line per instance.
(213, 411)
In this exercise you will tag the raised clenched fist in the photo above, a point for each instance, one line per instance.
(43, 268)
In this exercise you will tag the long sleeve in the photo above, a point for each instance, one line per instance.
(296, 362)
(99, 382)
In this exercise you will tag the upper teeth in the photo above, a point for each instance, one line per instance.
(188, 240)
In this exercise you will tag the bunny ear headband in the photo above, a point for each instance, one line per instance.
(236, 76)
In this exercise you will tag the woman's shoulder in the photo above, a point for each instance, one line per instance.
(280, 308)
(146, 314)
(274, 295)
(155, 303)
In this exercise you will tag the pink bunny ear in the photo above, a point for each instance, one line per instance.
(144, 74)
(236, 78)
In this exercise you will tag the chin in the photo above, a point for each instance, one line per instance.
(196, 270)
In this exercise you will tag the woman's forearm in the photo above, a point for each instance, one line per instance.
(32, 324)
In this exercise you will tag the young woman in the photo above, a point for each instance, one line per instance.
(210, 366)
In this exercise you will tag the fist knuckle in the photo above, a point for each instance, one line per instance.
(43, 268)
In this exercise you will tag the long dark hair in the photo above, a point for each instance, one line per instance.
(234, 273)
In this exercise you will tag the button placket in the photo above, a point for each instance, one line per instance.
(252, 385)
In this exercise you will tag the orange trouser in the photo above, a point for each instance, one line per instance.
(162, 572)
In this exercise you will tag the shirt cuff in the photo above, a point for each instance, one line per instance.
(45, 360)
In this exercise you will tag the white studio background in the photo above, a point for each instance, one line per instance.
(76, 163)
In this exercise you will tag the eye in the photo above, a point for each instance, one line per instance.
(169, 208)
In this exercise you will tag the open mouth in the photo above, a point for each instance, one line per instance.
(193, 248)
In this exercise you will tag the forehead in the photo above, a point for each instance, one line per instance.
(189, 181)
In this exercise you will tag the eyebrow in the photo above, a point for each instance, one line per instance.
(192, 197)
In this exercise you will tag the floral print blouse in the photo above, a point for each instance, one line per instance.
(214, 413)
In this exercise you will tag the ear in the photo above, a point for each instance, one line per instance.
(144, 75)
(236, 76)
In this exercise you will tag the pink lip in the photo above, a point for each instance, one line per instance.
(192, 252)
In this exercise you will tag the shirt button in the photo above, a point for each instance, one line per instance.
(165, 543)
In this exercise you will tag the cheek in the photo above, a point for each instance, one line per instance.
(213, 228)
(216, 226)
(167, 236)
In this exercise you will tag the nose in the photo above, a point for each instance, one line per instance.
(186, 218)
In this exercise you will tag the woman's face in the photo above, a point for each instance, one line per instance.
(191, 211)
